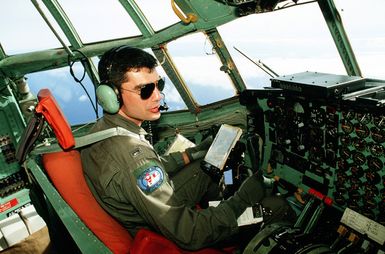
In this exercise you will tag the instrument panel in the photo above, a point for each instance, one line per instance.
(327, 143)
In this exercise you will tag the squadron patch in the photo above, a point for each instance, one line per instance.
(150, 179)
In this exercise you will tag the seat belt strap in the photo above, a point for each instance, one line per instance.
(90, 139)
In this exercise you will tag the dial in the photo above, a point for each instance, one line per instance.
(375, 164)
(345, 153)
(376, 149)
(317, 116)
(378, 135)
(347, 126)
(372, 177)
(357, 171)
(359, 144)
(346, 140)
(379, 121)
(349, 115)
(359, 158)
(339, 198)
(364, 118)
(361, 130)
(343, 165)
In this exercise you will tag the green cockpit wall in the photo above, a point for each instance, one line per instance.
(195, 16)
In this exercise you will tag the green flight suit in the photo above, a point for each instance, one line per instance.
(131, 181)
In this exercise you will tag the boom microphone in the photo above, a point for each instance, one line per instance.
(164, 106)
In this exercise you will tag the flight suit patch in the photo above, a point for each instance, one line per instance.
(150, 179)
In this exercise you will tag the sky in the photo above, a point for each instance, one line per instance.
(290, 41)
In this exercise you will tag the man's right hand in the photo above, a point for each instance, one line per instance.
(250, 192)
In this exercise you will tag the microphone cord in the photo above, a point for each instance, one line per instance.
(79, 80)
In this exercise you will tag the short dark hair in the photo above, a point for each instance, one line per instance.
(115, 62)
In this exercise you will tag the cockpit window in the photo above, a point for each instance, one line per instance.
(158, 13)
(28, 31)
(201, 68)
(287, 41)
(105, 19)
(70, 95)
(366, 34)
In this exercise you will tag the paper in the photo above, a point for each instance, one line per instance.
(179, 144)
(252, 215)
(222, 145)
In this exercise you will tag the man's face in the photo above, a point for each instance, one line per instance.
(134, 107)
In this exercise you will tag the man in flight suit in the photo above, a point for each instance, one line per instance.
(137, 186)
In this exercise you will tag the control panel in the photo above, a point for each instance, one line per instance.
(332, 141)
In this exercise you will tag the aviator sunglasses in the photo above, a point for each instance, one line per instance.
(145, 91)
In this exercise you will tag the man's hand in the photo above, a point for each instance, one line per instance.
(199, 151)
(249, 193)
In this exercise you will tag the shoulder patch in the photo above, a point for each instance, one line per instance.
(150, 179)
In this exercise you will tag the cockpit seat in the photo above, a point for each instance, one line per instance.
(64, 169)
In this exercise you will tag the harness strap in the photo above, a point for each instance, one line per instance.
(90, 139)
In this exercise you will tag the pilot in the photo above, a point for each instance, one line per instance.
(142, 189)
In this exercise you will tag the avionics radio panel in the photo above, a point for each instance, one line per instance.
(318, 85)
(333, 145)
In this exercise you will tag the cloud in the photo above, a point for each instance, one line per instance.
(202, 71)
(83, 98)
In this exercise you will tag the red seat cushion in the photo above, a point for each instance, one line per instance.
(65, 171)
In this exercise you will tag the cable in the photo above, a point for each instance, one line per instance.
(83, 62)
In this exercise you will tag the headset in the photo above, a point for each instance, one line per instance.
(107, 93)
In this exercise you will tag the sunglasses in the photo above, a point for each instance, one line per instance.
(145, 91)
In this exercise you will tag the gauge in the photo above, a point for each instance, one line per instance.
(361, 130)
(359, 158)
(372, 177)
(347, 126)
(371, 190)
(354, 195)
(298, 120)
(345, 140)
(349, 115)
(374, 163)
(379, 121)
(378, 135)
(376, 149)
(357, 171)
(364, 118)
(343, 165)
(355, 184)
(317, 116)
(332, 131)
(345, 153)
(339, 198)
(353, 204)
(359, 144)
